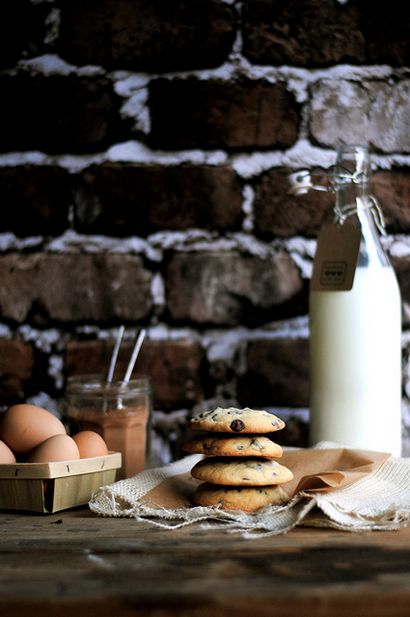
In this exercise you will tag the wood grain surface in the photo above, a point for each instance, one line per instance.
(75, 563)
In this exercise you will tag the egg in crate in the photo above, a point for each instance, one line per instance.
(6, 455)
(90, 444)
(24, 427)
(35, 435)
(41, 467)
(55, 448)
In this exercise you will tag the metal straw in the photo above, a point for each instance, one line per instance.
(134, 355)
(114, 355)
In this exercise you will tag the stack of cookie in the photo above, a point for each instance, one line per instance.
(239, 469)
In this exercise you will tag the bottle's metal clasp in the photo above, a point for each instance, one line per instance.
(302, 181)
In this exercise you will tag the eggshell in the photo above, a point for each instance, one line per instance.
(23, 427)
(55, 448)
(90, 444)
(6, 455)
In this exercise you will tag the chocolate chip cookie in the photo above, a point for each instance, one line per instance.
(233, 445)
(247, 499)
(233, 420)
(241, 471)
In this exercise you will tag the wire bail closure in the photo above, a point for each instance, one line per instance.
(302, 182)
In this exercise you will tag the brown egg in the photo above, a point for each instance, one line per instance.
(6, 455)
(90, 444)
(23, 427)
(55, 448)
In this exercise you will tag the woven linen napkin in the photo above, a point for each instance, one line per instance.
(353, 490)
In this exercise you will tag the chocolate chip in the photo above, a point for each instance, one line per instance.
(237, 426)
(255, 442)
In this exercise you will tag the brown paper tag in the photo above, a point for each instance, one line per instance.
(336, 257)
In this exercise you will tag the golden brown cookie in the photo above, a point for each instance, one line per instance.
(231, 444)
(233, 420)
(243, 471)
(246, 498)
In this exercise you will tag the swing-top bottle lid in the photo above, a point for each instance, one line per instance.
(354, 159)
(352, 166)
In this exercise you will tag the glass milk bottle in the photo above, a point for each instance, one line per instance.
(355, 334)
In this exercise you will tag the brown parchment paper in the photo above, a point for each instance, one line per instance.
(314, 470)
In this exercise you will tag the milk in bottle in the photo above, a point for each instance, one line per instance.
(355, 334)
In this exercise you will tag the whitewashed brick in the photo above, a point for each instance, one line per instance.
(373, 112)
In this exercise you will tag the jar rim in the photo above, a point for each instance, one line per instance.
(95, 383)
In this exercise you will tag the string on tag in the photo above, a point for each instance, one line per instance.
(343, 213)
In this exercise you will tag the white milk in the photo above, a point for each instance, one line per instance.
(355, 356)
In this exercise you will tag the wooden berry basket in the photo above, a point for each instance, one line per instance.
(50, 487)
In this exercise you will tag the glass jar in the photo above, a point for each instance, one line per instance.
(118, 411)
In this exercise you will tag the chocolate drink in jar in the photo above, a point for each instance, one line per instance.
(119, 411)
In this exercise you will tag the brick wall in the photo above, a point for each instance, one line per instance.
(144, 154)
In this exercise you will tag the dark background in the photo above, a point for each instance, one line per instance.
(144, 152)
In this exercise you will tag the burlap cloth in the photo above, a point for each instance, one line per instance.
(353, 490)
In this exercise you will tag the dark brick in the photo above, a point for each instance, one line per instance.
(190, 113)
(130, 199)
(22, 30)
(402, 269)
(229, 288)
(392, 189)
(277, 373)
(296, 432)
(147, 35)
(278, 214)
(302, 32)
(175, 367)
(16, 365)
(386, 31)
(57, 113)
(324, 32)
(42, 287)
(13, 15)
(35, 199)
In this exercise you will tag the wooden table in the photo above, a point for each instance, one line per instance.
(75, 563)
